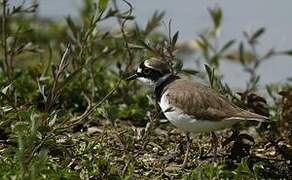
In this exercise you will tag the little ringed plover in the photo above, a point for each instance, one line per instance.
(190, 106)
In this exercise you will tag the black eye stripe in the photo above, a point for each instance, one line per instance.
(142, 65)
(146, 71)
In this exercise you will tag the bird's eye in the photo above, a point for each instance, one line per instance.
(146, 71)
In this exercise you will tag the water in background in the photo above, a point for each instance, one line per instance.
(190, 17)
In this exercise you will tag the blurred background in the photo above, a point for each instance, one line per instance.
(191, 17)
(67, 112)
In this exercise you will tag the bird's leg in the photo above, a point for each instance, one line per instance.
(214, 144)
(187, 151)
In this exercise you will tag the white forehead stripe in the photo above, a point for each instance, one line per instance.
(139, 70)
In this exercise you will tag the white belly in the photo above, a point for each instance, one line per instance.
(187, 123)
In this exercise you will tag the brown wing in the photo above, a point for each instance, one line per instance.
(204, 103)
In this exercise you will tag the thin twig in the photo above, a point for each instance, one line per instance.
(56, 74)
(37, 147)
(90, 109)
(76, 120)
(122, 24)
(4, 38)
(170, 48)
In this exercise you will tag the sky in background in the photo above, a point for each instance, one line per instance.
(190, 17)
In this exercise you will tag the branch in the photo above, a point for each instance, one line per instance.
(122, 26)
(90, 109)
(6, 68)
(56, 75)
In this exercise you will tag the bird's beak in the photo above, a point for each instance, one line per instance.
(134, 76)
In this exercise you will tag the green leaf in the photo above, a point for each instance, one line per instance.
(178, 66)
(204, 45)
(69, 78)
(6, 108)
(256, 35)
(227, 45)
(53, 120)
(102, 4)
(217, 16)
(154, 22)
(135, 46)
(215, 60)
(74, 29)
(210, 72)
(5, 89)
(288, 52)
(190, 71)
(241, 53)
(174, 39)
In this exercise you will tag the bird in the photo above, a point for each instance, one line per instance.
(190, 106)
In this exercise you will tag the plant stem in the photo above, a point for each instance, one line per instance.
(254, 68)
(122, 26)
(90, 108)
(6, 68)
(55, 90)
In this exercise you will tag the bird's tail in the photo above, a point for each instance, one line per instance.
(249, 116)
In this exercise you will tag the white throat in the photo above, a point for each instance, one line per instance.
(147, 82)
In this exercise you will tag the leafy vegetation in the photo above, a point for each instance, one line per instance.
(67, 112)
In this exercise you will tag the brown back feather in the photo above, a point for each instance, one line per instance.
(204, 103)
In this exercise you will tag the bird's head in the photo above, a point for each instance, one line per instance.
(151, 71)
